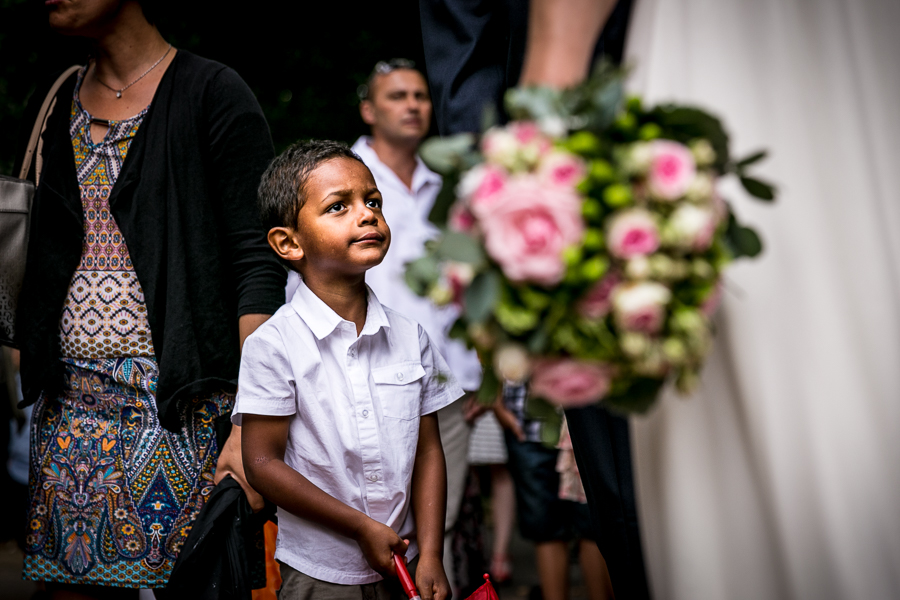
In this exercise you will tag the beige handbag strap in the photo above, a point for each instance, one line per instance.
(35, 142)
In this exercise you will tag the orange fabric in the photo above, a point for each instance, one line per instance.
(273, 572)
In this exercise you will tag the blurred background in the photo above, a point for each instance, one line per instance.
(304, 69)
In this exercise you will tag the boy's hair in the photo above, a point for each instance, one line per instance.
(280, 193)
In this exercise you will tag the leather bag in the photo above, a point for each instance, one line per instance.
(15, 211)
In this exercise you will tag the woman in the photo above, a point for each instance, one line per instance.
(147, 268)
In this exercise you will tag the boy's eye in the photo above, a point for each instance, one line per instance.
(373, 202)
(337, 206)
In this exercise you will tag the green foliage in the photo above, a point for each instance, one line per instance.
(460, 247)
(684, 123)
(759, 189)
(482, 296)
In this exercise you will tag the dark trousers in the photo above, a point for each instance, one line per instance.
(602, 448)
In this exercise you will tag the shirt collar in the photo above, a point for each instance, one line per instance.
(421, 176)
(321, 318)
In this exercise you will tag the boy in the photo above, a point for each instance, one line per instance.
(337, 395)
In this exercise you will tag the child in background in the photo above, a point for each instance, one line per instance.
(337, 395)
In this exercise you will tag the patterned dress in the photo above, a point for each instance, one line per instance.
(113, 495)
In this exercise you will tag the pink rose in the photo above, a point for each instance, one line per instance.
(672, 170)
(461, 218)
(570, 383)
(561, 169)
(489, 181)
(632, 233)
(459, 276)
(598, 300)
(528, 227)
(641, 306)
(518, 146)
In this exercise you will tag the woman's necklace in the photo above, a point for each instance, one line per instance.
(144, 74)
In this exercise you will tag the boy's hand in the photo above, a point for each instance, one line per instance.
(431, 580)
(379, 543)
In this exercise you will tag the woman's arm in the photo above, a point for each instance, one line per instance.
(561, 38)
(263, 443)
(429, 504)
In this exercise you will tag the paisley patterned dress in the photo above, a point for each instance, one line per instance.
(112, 494)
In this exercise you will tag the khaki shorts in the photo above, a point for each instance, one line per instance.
(298, 586)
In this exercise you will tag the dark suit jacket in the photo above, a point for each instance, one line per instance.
(185, 202)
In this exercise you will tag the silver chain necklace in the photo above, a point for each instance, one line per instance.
(119, 92)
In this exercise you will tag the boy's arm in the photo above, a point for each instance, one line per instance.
(429, 504)
(263, 442)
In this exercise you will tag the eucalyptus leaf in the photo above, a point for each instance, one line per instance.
(534, 103)
(753, 158)
(539, 409)
(747, 241)
(440, 212)
(444, 154)
(481, 296)
(490, 388)
(458, 246)
(551, 430)
(760, 189)
(421, 273)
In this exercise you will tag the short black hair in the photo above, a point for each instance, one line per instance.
(280, 194)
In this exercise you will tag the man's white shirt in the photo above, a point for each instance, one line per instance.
(406, 212)
(355, 403)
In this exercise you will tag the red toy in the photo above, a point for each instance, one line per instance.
(485, 592)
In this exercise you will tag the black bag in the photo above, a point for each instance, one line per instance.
(224, 556)
(15, 210)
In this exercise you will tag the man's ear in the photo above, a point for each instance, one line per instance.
(286, 243)
(367, 112)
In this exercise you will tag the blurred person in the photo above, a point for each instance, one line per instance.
(487, 448)
(147, 267)
(396, 105)
(550, 515)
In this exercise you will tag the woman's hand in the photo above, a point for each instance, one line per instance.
(431, 581)
(230, 463)
(472, 408)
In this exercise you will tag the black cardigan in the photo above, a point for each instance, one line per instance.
(185, 202)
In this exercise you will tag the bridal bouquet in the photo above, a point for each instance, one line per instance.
(585, 241)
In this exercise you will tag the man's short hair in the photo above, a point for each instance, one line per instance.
(280, 194)
(384, 67)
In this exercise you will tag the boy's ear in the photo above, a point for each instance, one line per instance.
(286, 243)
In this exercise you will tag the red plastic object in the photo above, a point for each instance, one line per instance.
(485, 592)
(405, 580)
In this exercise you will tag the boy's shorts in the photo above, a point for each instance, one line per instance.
(542, 515)
(299, 586)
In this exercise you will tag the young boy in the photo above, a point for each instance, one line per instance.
(337, 395)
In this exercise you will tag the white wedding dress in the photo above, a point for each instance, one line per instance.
(780, 478)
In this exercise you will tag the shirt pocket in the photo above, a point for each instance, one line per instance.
(399, 388)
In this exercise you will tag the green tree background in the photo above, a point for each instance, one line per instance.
(303, 60)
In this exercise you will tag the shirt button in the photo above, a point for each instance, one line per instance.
(352, 352)
(373, 477)
(399, 376)
(365, 413)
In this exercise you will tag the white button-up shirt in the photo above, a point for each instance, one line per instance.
(406, 211)
(355, 403)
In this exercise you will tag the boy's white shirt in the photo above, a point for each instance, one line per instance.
(355, 403)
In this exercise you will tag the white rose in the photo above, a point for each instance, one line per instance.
(638, 158)
(638, 268)
(691, 227)
(641, 306)
(703, 152)
(501, 147)
(512, 363)
(701, 187)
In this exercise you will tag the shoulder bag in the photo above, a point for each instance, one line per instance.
(15, 213)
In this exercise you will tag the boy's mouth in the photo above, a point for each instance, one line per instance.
(373, 237)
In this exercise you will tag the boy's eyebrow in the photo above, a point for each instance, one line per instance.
(346, 193)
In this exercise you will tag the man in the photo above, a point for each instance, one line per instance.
(396, 105)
